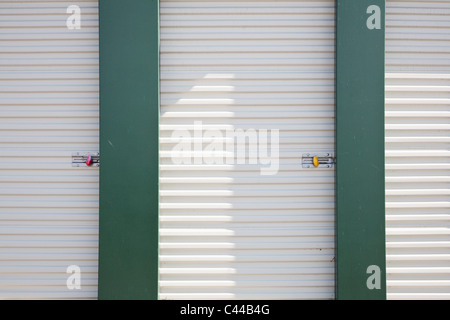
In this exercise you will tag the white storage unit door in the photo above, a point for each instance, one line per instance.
(226, 231)
(48, 109)
(418, 149)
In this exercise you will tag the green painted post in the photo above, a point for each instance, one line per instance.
(360, 197)
(129, 117)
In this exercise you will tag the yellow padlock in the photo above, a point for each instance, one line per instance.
(316, 161)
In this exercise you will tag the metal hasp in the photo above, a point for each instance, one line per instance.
(85, 159)
(318, 160)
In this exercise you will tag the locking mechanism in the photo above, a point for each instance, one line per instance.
(318, 160)
(85, 159)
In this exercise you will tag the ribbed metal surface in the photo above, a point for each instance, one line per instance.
(227, 232)
(48, 109)
(418, 149)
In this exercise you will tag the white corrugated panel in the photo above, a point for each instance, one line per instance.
(48, 109)
(226, 231)
(418, 149)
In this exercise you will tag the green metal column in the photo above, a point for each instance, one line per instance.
(360, 197)
(129, 117)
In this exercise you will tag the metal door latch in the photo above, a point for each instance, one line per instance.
(85, 159)
(318, 160)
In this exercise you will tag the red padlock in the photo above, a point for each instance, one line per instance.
(89, 160)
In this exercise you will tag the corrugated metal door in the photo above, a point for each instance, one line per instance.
(226, 230)
(418, 149)
(48, 109)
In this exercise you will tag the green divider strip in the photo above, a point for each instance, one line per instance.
(129, 117)
(360, 189)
